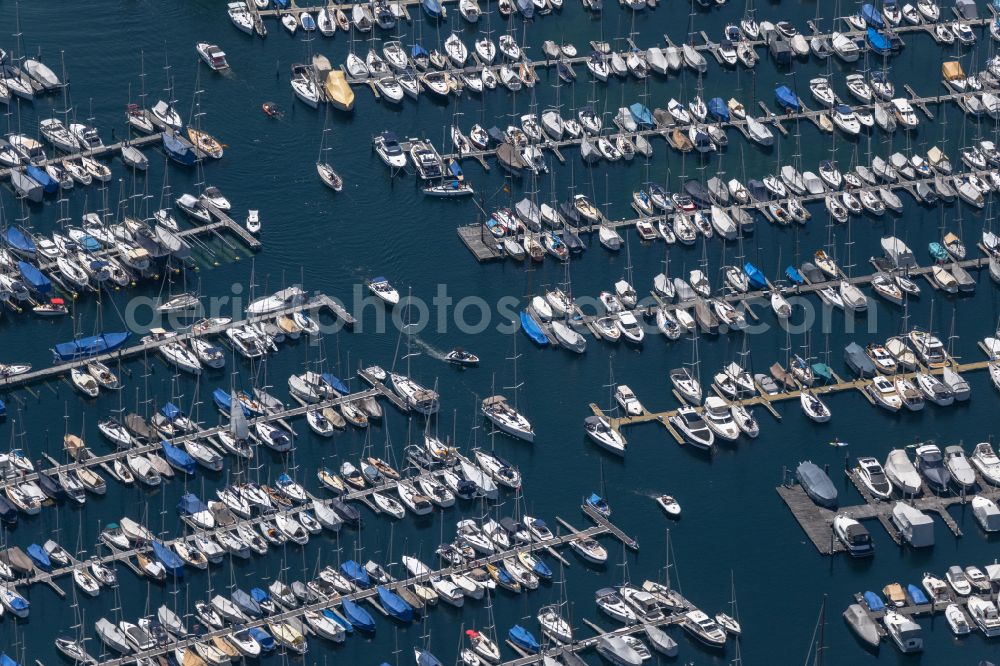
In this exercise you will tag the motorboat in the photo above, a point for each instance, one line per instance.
(904, 632)
(704, 629)
(984, 615)
(853, 535)
(986, 462)
(930, 463)
(816, 484)
(873, 476)
(599, 430)
(962, 473)
(693, 428)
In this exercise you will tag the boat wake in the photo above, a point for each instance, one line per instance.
(429, 349)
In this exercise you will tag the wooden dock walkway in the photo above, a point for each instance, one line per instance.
(484, 246)
(104, 151)
(200, 435)
(556, 649)
(664, 130)
(365, 594)
(817, 521)
(858, 385)
(315, 303)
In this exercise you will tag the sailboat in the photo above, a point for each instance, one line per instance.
(326, 173)
(600, 430)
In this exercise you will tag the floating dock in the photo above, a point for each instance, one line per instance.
(817, 521)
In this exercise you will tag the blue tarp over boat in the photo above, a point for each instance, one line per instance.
(49, 185)
(526, 7)
(178, 458)
(339, 619)
(643, 117)
(90, 346)
(532, 329)
(755, 276)
(265, 639)
(189, 504)
(7, 661)
(873, 601)
(357, 615)
(336, 383)
(394, 604)
(523, 638)
(425, 658)
(787, 99)
(432, 8)
(171, 560)
(916, 594)
(179, 149)
(872, 16)
(879, 42)
(793, 274)
(170, 410)
(19, 241)
(39, 556)
(356, 573)
(224, 401)
(416, 52)
(246, 603)
(717, 109)
(34, 278)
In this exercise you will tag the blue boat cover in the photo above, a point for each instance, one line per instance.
(873, 601)
(179, 150)
(526, 7)
(356, 573)
(189, 504)
(259, 595)
(523, 638)
(717, 107)
(541, 569)
(7, 661)
(425, 658)
(281, 4)
(19, 241)
(754, 275)
(916, 594)
(793, 274)
(394, 604)
(38, 554)
(90, 346)
(35, 279)
(786, 98)
(265, 639)
(3, 410)
(878, 41)
(336, 383)
(357, 615)
(246, 603)
(417, 51)
(432, 7)
(49, 185)
(642, 116)
(872, 16)
(170, 410)
(339, 619)
(171, 560)
(178, 457)
(598, 503)
(456, 170)
(532, 329)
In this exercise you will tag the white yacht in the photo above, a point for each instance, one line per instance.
(508, 419)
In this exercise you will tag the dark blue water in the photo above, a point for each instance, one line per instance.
(733, 519)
